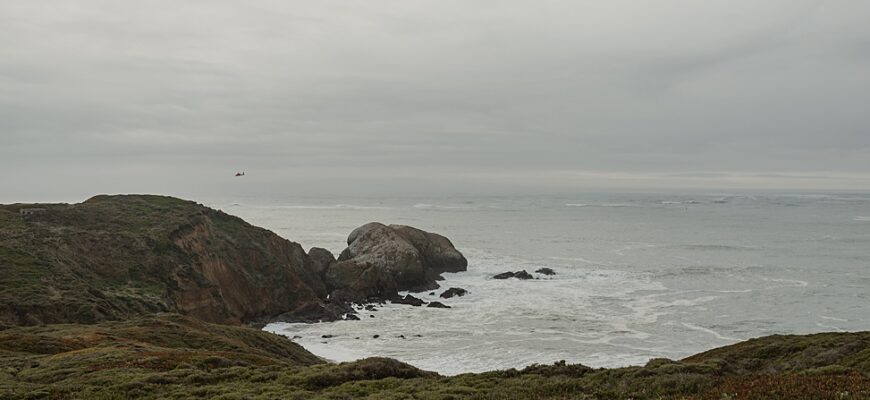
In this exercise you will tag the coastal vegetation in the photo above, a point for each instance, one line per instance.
(172, 356)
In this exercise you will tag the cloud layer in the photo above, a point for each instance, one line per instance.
(392, 95)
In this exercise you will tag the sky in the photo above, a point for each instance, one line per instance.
(431, 96)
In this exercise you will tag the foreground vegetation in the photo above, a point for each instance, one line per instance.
(171, 356)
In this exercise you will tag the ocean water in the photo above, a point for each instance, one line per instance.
(639, 276)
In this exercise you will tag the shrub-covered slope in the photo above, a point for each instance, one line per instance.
(170, 356)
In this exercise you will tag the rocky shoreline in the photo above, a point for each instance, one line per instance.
(143, 296)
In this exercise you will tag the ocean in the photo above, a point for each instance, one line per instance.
(638, 276)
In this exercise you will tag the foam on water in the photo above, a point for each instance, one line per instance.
(509, 323)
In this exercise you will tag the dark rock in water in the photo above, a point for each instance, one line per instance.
(351, 317)
(458, 292)
(327, 336)
(410, 300)
(371, 316)
(437, 304)
(376, 336)
(523, 275)
(370, 307)
(519, 275)
(297, 337)
(431, 293)
(401, 336)
(381, 260)
(546, 271)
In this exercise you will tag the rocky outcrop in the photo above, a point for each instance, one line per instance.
(546, 271)
(381, 260)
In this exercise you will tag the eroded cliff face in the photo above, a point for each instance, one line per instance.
(113, 257)
(249, 276)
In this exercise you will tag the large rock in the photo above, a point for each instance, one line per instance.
(378, 255)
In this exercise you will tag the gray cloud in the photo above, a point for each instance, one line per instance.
(432, 95)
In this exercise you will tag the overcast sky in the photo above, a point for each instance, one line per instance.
(414, 96)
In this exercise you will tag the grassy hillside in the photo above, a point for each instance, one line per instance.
(171, 356)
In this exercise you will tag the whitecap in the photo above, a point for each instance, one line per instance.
(330, 207)
(715, 334)
(838, 329)
(427, 206)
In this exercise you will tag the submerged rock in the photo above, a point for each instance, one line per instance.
(519, 275)
(437, 304)
(504, 275)
(409, 300)
(523, 275)
(458, 292)
(546, 271)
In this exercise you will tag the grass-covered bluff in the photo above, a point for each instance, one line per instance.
(115, 257)
(91, 296)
